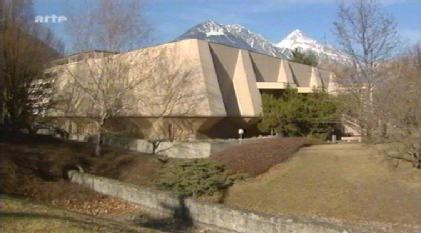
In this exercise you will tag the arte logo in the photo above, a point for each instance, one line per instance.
(50, 19)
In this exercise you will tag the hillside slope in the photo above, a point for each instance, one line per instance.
(350, 183)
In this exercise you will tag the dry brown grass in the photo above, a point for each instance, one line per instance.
(351, 182)
(257, 157)
(33, 167)
(22, 216)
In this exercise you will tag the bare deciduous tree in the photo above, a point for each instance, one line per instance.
(25, 47)
(117, 86)
(370, 38)
(109, 85)
(175, 96)
(110, 25)
(113, 26)
(398, 107)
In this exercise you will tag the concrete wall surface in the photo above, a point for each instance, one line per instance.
(215, 216)
(176, 149)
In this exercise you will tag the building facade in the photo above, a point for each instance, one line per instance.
(187, 89)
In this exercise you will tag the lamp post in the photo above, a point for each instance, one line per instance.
(240, 134)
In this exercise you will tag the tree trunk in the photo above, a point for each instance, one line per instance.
(417, 156)
(155, 145)
(2, 113)
(97, 149)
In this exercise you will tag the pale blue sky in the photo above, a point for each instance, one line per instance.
(273, 19)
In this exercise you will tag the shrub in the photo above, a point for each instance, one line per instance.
(195, 177)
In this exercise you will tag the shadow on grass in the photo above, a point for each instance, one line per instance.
(180, 220)
(44, 220)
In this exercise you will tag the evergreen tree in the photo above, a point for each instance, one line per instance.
(294, 114)
(307, 58)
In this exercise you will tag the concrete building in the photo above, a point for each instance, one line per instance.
(221, 89)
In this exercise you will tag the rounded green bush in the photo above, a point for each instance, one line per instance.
(195, 177)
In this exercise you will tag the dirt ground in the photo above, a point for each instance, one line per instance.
(349, 182)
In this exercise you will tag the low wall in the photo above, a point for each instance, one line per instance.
(215, 216)
(176, 149)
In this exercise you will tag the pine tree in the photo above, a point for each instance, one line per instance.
(307, 58)
(294, 114)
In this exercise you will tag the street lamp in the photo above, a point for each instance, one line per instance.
(240, 134)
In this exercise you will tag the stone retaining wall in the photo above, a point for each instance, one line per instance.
(176, 149)
(173, 149)
(211, 215)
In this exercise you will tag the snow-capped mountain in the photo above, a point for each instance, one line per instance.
(297, 39)
(233, 35)
(240, 37)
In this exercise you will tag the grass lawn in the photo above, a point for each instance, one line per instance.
(23, 216)
(344, 181)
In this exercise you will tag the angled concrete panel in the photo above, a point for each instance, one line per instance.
(301, 74)
(172, 69)
(315, 80)
(214, 95)
(332, 86)
(248, 96)
(324, 77)
(265, 67)
(225, 59)
(285, 74)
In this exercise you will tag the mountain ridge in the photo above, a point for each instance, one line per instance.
(234, 35)
(238, 36)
